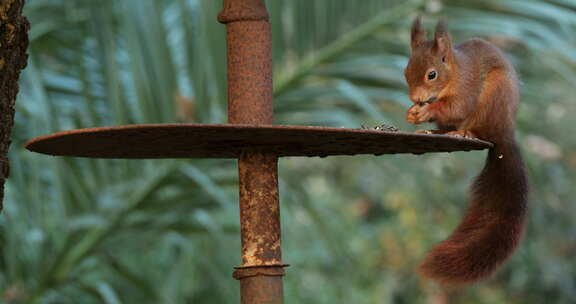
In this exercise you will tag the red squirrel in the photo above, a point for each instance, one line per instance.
(471, 90)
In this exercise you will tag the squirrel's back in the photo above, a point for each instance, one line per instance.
(482, 56)
(484, 52)
(486, 75)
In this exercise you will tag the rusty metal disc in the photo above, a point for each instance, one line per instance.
(229, 141)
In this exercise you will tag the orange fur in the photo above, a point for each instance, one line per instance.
(474, 93)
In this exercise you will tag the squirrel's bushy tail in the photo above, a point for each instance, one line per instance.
(492, 226)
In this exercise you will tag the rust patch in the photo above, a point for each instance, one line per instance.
(245, 10)
(261, 289)
(259, 223)
(249, 72)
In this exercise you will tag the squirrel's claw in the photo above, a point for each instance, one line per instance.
(424, 132)
(462, 133)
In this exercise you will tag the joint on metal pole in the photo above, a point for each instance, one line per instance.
(242, 272)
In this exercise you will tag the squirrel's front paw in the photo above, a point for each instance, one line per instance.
(418, 114)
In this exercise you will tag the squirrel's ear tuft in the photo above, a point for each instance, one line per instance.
(418, 34)
(442, 41)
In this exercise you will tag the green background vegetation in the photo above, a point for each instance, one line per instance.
(354, 228)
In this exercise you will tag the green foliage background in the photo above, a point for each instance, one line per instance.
(119, 231)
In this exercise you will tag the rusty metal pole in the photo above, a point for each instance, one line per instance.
(250, 102)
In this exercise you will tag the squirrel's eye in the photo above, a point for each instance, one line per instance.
(432, 75)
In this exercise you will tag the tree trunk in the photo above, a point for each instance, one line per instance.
(13, 44)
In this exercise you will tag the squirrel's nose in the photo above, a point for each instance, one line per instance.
(418, 95)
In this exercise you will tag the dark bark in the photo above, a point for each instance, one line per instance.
(13, 44)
